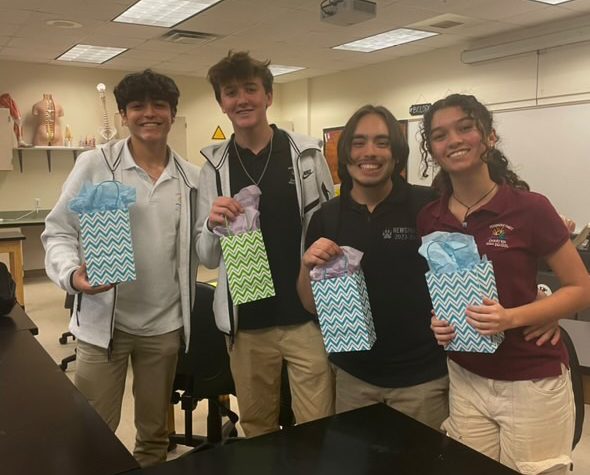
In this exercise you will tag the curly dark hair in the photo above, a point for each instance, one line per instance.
(239, 66)
(498, 164)
(146, 85)
(397, 139)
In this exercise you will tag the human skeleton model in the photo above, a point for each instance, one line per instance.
(6, 102)
(48, 131)
(106, 131)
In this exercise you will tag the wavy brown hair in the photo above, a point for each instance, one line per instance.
(498, 164)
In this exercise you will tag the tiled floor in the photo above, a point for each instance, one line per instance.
(44, 304)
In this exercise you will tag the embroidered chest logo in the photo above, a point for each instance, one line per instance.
(399, 234)
(499, 235)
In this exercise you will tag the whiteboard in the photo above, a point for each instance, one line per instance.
(549, 148)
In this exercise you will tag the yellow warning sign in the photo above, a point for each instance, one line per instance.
(218, 134)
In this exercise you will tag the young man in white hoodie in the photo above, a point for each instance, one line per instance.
(142, 321)
(294, 179)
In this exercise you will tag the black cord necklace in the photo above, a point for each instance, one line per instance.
(468, 208)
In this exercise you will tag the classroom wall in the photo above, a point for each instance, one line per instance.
(74, 88)
(563, 76)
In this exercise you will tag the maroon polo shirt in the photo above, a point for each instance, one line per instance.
(514, 229)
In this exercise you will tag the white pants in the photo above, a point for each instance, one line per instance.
(526, 425)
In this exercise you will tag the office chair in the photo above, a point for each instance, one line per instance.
(204, 373)
(63, 339)
(577, 385)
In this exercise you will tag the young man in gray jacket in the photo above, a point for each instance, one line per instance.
(143, 320)
(294, 179)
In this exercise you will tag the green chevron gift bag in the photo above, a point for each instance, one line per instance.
(458, 278)
(105, 231)
(342, 304)
(246, 262)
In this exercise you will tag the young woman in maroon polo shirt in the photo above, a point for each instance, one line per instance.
(515, 405)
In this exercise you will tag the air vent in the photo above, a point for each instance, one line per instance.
(446, 24)
(188, 37)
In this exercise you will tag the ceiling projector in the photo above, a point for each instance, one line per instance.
(347, 12)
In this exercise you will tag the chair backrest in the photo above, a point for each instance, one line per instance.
(207, 361)
(577, 385)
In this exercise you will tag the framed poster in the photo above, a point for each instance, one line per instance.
(331, 137)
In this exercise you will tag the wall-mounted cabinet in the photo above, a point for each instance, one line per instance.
(7, 140)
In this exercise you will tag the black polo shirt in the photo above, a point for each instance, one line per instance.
(406, 352)
(281, 228)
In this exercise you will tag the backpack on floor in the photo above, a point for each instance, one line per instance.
(7, 290)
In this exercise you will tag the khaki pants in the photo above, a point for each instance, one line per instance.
(427, 402)
(256, 361)
(102, 381)
(526, 425)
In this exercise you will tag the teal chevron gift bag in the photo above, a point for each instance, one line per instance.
(105, 231)
(344, 311)
(248, 271)
(451, 291)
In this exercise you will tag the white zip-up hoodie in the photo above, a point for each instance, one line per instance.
(313, 183)
(93, 317)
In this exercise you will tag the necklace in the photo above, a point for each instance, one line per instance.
(256, 182)
(468, 208)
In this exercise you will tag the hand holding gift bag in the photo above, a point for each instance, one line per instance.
(105, 231)
(342, 303)
(458, 278)
(244, 253)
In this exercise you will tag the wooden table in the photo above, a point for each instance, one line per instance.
(374, 440)
(11, 243)
(46, 426)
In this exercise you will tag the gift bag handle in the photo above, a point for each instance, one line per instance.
(96, 195)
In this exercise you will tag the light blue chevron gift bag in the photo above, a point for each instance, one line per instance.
(244, 252)
(458, 278)
(105, 231)
(342, 303)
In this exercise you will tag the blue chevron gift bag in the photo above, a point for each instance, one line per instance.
(452, 292)
(344, 312)
(105, 232)
(248, 271)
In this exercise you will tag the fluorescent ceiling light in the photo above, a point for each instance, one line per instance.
(164, 13)
(278, 69)
(552, 2)
(527, 45)
(90, 54)
(388, 39)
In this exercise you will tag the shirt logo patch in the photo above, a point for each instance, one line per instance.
(499, 235)
(399, 234)
(306, 174)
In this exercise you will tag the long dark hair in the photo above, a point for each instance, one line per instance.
(398, 143)
(498, 164)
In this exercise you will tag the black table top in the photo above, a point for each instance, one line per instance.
(46, 426)
(17, 319)
(368, 441)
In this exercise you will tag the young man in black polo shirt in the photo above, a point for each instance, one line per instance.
(294, 179)
(376, 213)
